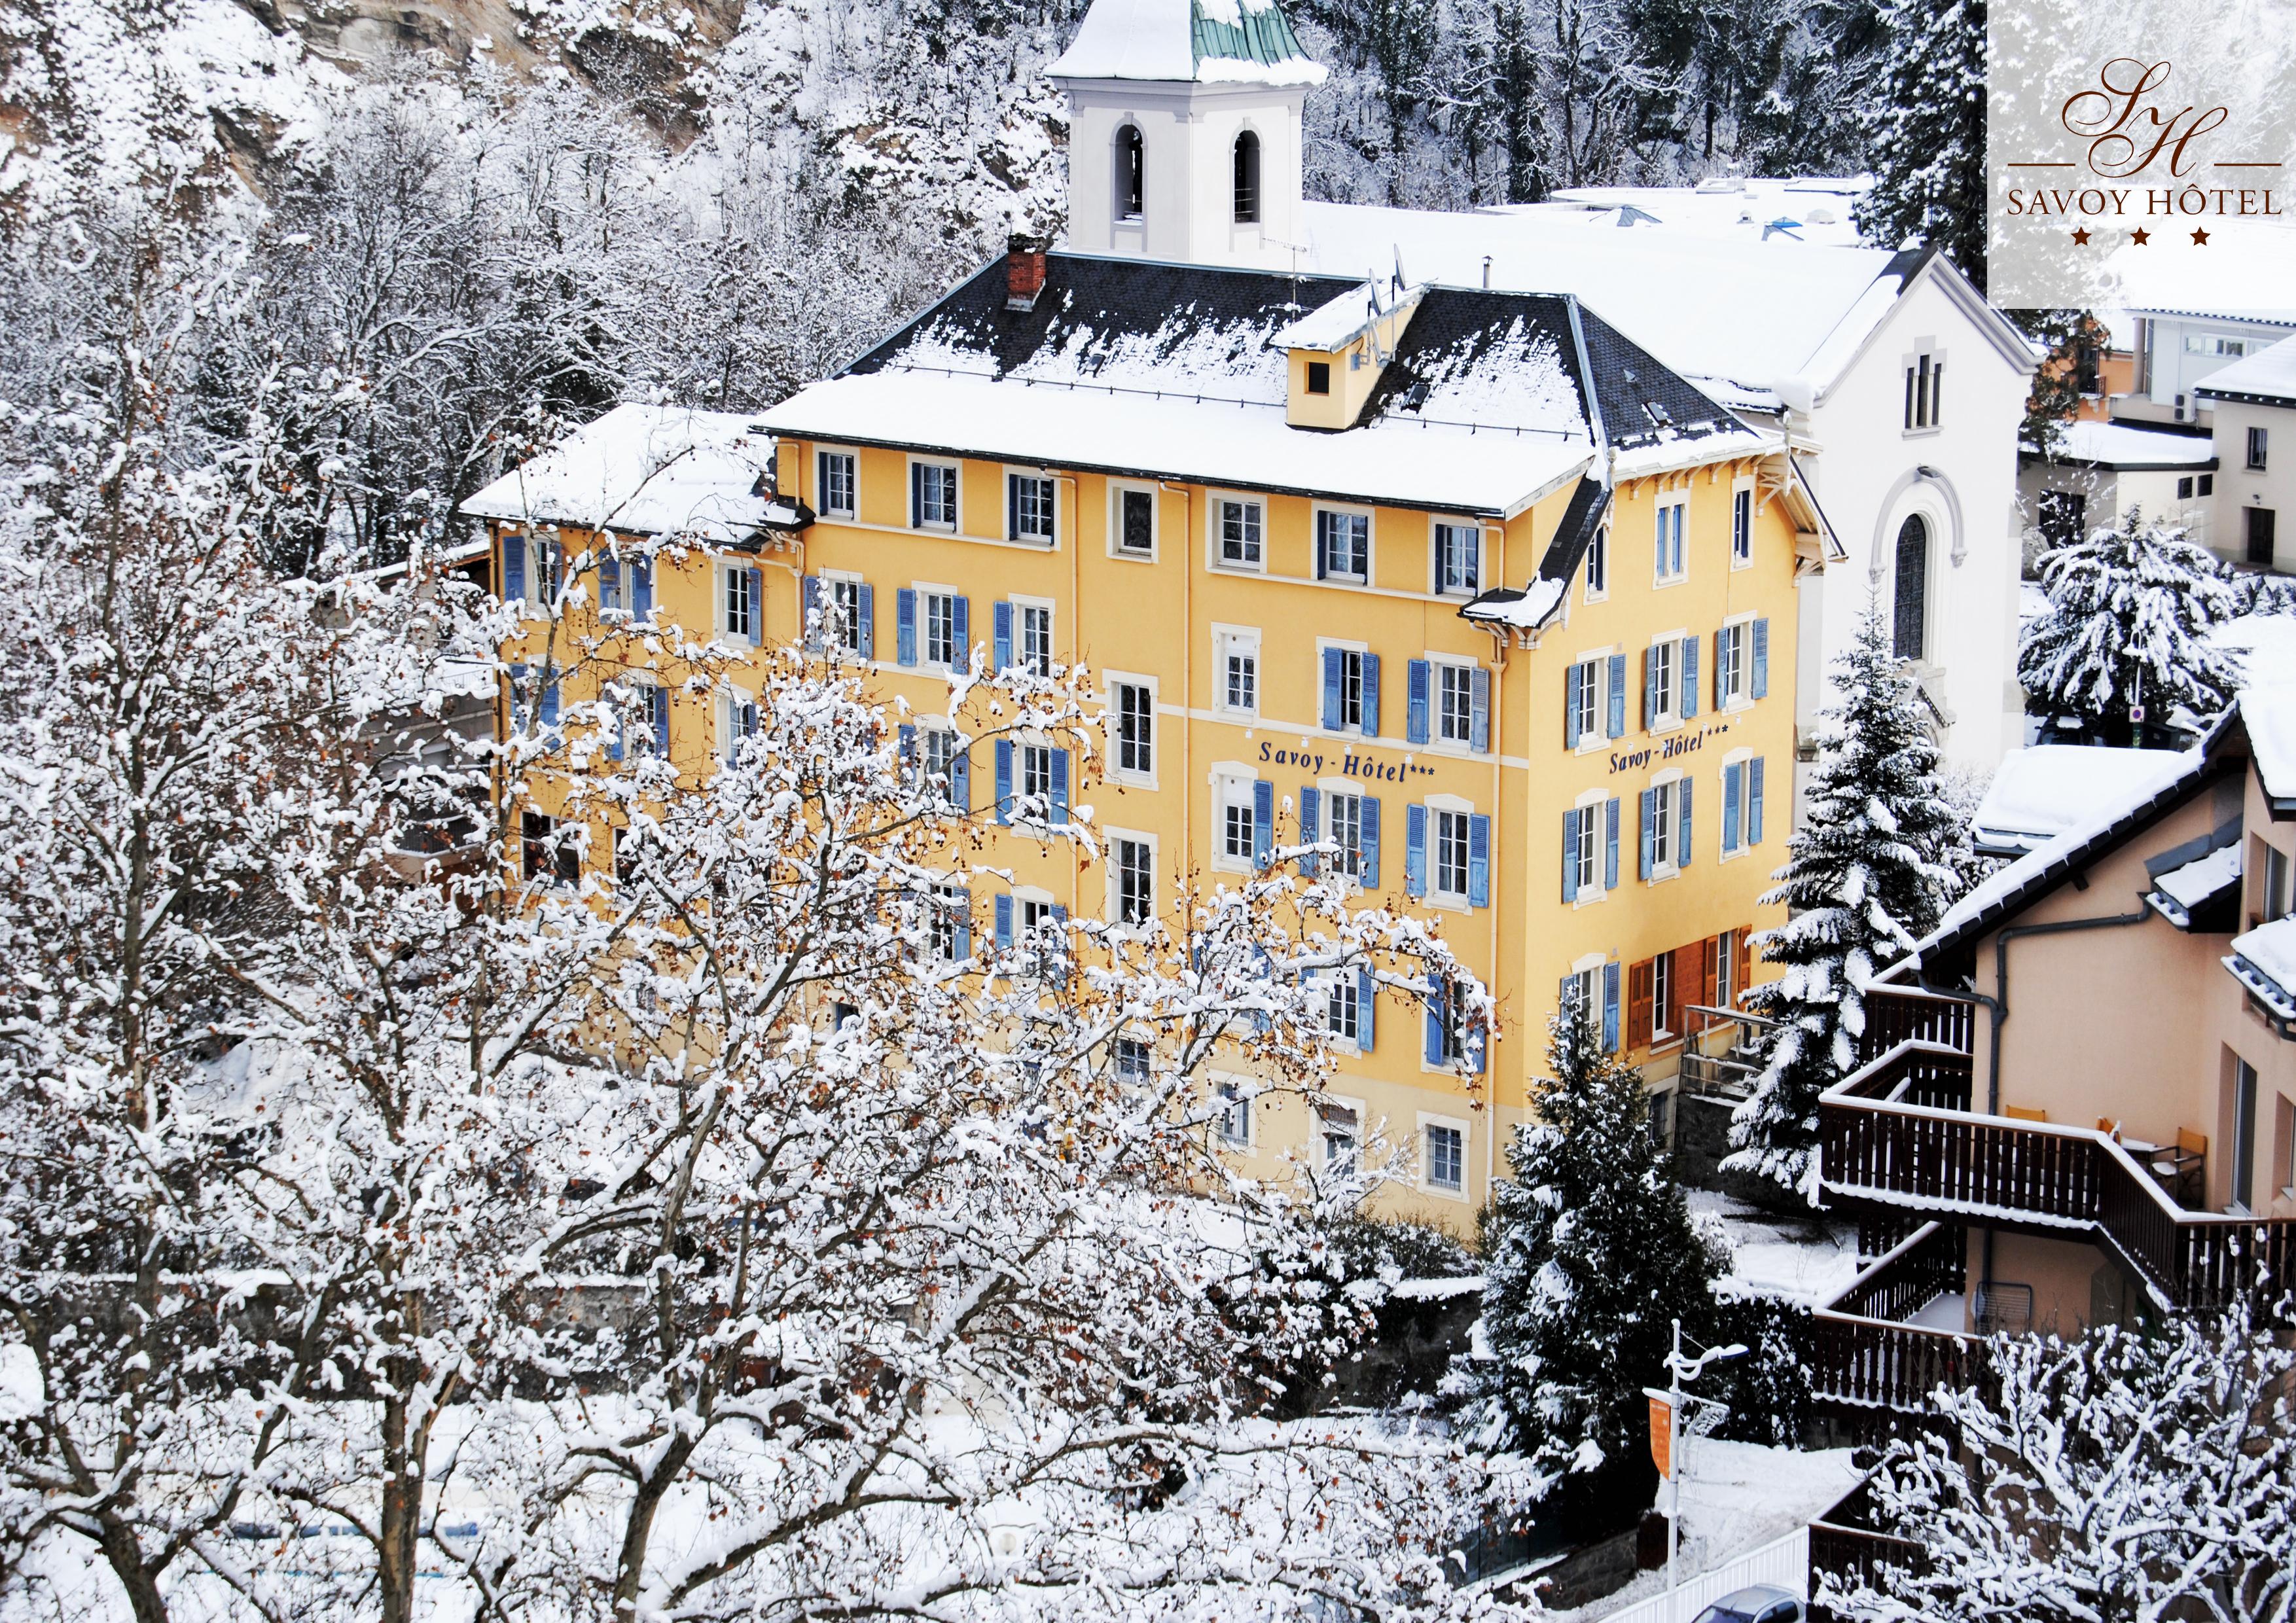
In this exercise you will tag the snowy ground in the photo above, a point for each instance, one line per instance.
(1737, 1497)
(1808, 1259)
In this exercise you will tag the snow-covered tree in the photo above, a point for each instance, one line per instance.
(2144, 1474)
(1866, 876)
(1591, 1256)
(1926, 132)
(2130, 611)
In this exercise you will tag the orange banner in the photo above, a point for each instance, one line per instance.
(1661, 1436)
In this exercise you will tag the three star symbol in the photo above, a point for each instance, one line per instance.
(2082, 236)
(2200, 238)
(2139, 236)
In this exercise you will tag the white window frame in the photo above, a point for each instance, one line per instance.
(730, 697)
(1592, 808)
(1050, 542)
(1670, 824)
(1668, 716)
(1436, 525)
(927, 591)
(729, 575)
(1438, 808)
(1215, 536)
(1370, 543)
(1232, 783)
(852, 456)
(948, 899)
(955, 524)
(1023, 607)
(1678, 502)
(1586, 969)
(1116, 770)
(1436, 664)
(1597, 564)
(1354, 1108)
(1328, 789)
(1742, 489)
(1345, 981)
(932, 727)
(843, 642)
(1234, 1127)
(1661, 994)
(1110, 908)
(1117, 491)
(1347, 729)
(1429, 1125)
(1228, 640)
(1596, 736)
(1737, 667)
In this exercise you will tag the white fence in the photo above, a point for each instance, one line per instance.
(1784, 1562)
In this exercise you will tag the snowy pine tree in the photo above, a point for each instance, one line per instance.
(1866, 876)
(2130, 611)
(1592, 1256)
(1926, 129)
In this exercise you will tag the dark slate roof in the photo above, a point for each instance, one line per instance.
(1581, 521)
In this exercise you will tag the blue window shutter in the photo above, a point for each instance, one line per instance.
(1478, 729)
(753, 587)
(550, 702)
(518, 699)
(1263, 821)
(1478, 860)
(1414, 849)
(1731, 776)
(641, 586)
(812, 611)
(916, 496)
(1310, 804)
(960, 780)
(964, 943)
(904, 625)
(1611, 1004)
(1060, 813)
(1005, 923)
(1370, 695)
(1683, 846)
(1650, 687)
(1571, 856)
(909, 736)
(1689, 677)
(1431, 1048)
(614, 738)
(1618, 716)
(1724, 640)
(1366, 1010)
(1761, 682)
(1331, 658)
(1650, 832)
(1754, 801)
(659, 710)
(1367, 859)
(1004, 780)
(1000, 618)
(960, 631)
(1414, 715)
(610, 583)
(513, 550)
(1571, 707)
(868, 626)
(1611, 845)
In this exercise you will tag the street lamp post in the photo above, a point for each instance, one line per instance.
(1683, 1370)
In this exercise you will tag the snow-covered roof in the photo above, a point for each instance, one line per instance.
(644, 471)
(2183, 891)
(1227, 42)
(1738, 315)
(1806, 210)
(1523, 611)
(2266, 646)
(1139, 366)
(2037, 793)
(2125, 445)
(1340, 322)
(2264, 961)
(2269, 714)
(2269, 374)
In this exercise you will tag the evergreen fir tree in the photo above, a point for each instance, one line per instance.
(1591, 1255)
(1866, 875)
(1926, 131)
(2130, 611)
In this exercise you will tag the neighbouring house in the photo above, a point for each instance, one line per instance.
(2178, 351)
(2251, 404)
(2076, 1104)
(2039, 791)
(2101, 472)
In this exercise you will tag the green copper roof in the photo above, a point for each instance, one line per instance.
(1257, 35)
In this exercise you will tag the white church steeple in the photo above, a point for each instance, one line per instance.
(1184, 130)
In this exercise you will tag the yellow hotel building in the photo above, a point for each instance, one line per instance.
(1463, 582)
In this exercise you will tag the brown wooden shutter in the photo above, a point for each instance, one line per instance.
(1638, 1004)
(1684, 989)
(1709, 981)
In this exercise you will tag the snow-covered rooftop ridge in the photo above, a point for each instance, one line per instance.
(2270, 949)
(2203, 877)
(1239, 444)
(2268, 713)
(2268, 374)
(2266, 646)
(1227, 42)
(1339, 321)
(1801, 211)
(643, 470)
(2123, 444)
(1525, 610)
(2039, 792)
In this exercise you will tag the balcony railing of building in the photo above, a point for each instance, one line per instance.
(1899, 1132)
(1845, 1547)
(1864, 1351)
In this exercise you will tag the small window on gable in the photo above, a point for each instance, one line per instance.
(1130, 172)
(1319, 377)
(1246, 179)
(1925, 391)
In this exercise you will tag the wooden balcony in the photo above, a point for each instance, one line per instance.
(1899, 1132)
(1865, 1353)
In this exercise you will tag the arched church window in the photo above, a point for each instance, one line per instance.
(1246, 179)
(1910, 610)
(1129, 165)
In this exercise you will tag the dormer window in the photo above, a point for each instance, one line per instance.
(1130, 167)
(1246, 179)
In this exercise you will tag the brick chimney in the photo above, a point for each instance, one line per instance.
(1024, 273)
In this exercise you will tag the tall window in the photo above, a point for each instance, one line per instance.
(1235, 1115)
(1135, 728)
(1586, 853)
(1028, 508)
(1909, 615)
(1670, 562)
(946, 920)
(1135, 523)
(1134, 878)
(1131, 1055)
(846, 632)
(1239, 675)
(1237, 840)
(1130, 172)
(932, 495)
(1343, 1009)
(1664, 702)
(1741, 526)
(1240, 533)
(741, 604)
(1032, 638)
(1351, 711)
(1342, 546)
(2257, 439)
(2063, 516)
(1446, 1157)
(1036, 773)
(1598, 564)
(1337, 1127)
(1664, 801)
(1458, 558)
(1924, 386)
(1582, 701)
(1662, 1002)
(837, 484)
(1246, 179)
(1455, 703)
(1343, 813)
(940, 763)
(939, 611)
(1450, 875)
